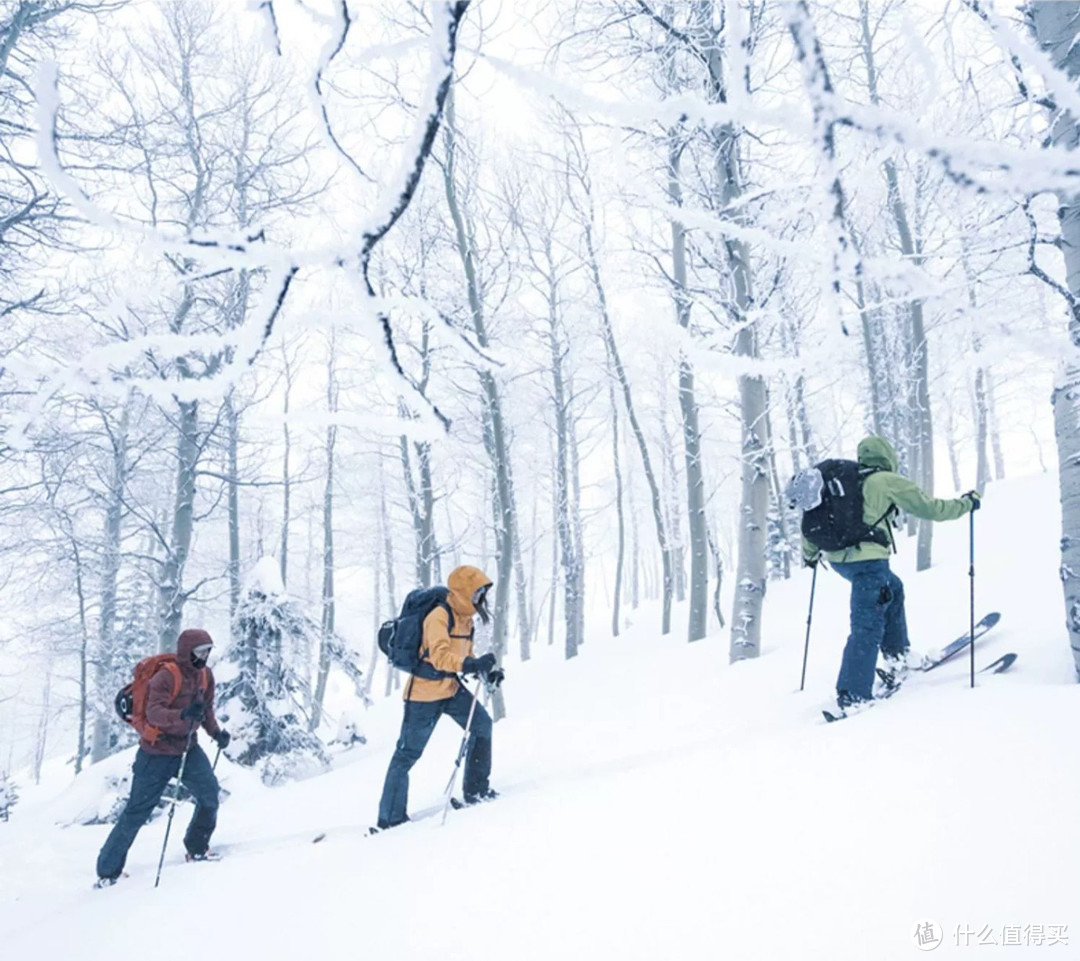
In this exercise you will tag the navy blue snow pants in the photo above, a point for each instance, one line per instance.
(877, 624)
(151, 775)
(419, 722)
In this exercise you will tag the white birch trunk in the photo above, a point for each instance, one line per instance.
(1057, 27)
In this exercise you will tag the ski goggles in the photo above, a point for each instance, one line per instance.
(202, 651)
(480, 595)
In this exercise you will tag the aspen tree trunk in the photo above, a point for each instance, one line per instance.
(950, 443)
(669, 476)
(999, 461)
(110, 572)
(232, 424)
(393, 675)
(982, 416)
(1057, 27)
(286, 475)
(576, 528)
(803, 414)
(874, 363)
(84, 654)
(327, 624)
(995, 430)
(171, 596)
(553, 592)
(635, 552)
(420, 491)
(534, 560)
(43, 726)
(385, 531)
(777, 488)
(572, 599)
(378, 618)
(695, 477)
(750, 572)
(981, 406)
(428, 542)
(621, 520)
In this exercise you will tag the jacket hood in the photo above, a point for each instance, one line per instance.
(186, 643)
(463, 582)
(878, 452)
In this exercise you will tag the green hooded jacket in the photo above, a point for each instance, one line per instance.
(881, 491)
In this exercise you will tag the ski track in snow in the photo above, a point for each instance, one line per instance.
(657, 803)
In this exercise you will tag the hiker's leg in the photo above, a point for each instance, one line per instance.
(200, 781)
(478, 755)
(416, 728)
(895, 642)
(150, 774)
(870, 597)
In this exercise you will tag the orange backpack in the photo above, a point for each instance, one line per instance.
(130, 701)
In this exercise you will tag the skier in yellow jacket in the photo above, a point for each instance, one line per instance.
(447, 647)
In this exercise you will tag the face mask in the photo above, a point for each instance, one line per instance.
(200, 655)
(479, 600)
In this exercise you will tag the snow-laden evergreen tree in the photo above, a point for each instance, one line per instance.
(264, 695)
(8, 796)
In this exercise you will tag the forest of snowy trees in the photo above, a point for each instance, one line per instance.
(564, 290)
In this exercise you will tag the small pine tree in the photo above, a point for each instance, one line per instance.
(9, 795)
(264, 693)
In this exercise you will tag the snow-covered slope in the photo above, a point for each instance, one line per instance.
(657, 804)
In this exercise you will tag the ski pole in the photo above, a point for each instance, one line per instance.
(461, 750)
(174, 801)
(971, 575)
(213, 767)
(809, 617)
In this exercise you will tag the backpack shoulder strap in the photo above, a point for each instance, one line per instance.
(449, 615)
(174, 670)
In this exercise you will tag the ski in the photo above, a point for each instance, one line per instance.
(369, 831)
(1000, 666)
(951, 650)
(937, 658)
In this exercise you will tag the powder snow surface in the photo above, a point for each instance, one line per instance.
(657, 803)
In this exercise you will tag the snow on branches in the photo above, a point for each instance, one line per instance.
(201, 249)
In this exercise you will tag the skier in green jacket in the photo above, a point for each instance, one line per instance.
(877, 594)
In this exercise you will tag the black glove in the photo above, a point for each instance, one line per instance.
(976, 499)
(478, 665)
(193, 712)
(812, 563)
(223, 737)
(496, 676)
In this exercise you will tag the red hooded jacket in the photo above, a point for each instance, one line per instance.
(163, 710)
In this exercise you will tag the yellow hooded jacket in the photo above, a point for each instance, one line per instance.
(446, 647)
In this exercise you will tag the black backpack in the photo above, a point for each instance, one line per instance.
(831, 497)
(400, 638)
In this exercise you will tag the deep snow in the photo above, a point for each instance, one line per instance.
(657, 803)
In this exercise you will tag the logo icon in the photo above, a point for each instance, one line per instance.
(927, 935)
